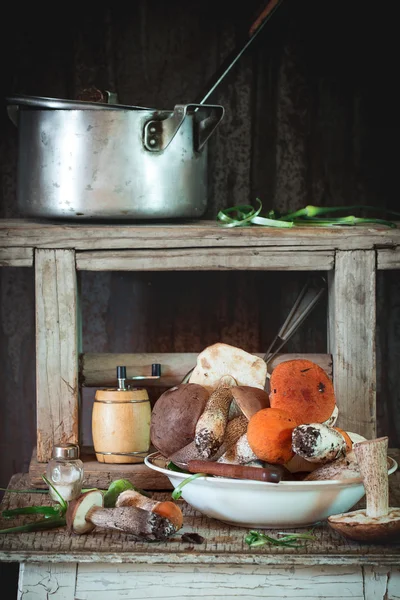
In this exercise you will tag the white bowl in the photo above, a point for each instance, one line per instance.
(261, 505)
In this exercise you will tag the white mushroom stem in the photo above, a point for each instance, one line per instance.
(372, 460)
(240, 453)
(210, 428)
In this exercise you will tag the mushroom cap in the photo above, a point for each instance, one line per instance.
(357, 526)
(342, 468)
(79, 508)
(174, 417)
(303, 389)
(250, 399)
(269, 434)
(221, 359)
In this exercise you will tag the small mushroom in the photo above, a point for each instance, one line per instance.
(378, 522)
(340, 469)
(168, 510)
(318, 443)
(250, 399)
(87, 512)
(78, 509)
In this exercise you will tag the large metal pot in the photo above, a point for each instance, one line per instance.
(83, 160)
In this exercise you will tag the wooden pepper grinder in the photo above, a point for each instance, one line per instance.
(121, 420)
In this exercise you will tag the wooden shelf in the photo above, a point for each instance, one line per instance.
(100, 475)
(223, 544)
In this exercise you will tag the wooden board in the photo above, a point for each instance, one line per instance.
(223, 544)
(352, 326)
(16, 257)
(388, 258)
(100, 475)
(57, 393)
(208, 259)
(83, 581)
(201, 234)
(99, 370)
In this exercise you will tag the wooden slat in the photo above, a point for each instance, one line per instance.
(58, 582)
(100, 475)
(16, 257)
(203, 234)
(208, 259)
(388, 258)
(223, 544)
(352, 322)
(56, 349)
(99, 370)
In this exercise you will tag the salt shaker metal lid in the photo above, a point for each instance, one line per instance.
(69, 451)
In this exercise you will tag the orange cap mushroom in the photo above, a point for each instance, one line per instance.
(303, 389)
(269, 435)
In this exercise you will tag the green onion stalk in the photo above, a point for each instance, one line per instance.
(243, 215)
(256, 539)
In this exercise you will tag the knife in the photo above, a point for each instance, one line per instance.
(270, 475)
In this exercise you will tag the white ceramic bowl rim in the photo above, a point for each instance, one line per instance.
(234, 482)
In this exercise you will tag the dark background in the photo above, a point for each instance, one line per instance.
(311, 118)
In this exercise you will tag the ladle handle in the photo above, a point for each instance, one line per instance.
(232, 58)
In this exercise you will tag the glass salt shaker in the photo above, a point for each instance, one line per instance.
(65, 472)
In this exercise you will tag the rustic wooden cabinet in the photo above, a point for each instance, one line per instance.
(349, 256)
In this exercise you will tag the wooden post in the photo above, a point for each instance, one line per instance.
(57, 350)
(351, 335)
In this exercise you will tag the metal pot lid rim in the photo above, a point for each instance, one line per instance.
(61, 103)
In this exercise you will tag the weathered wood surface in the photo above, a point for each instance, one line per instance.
(210, 259)
(39, 581)
(82, 581)
(196, 234)
(57, 350)
(16, 257)
(388, 259)
(223, 545)
(100, 475)
(99, 370)
(352, 330)
(308, 126)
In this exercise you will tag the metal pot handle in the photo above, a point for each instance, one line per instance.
(12, 111)
(158, 134)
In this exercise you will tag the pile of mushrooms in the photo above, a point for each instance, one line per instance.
(224, 415)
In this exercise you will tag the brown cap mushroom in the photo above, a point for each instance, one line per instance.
(250, 399)
(174, 417)
(378, 522)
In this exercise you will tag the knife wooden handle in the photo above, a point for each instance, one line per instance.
(272, 475)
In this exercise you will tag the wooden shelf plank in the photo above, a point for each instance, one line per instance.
(100, 475)
(16, 257)
(206, 259)
(196, 234)
(99, 370)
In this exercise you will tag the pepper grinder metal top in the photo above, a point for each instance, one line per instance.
(122, 378)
